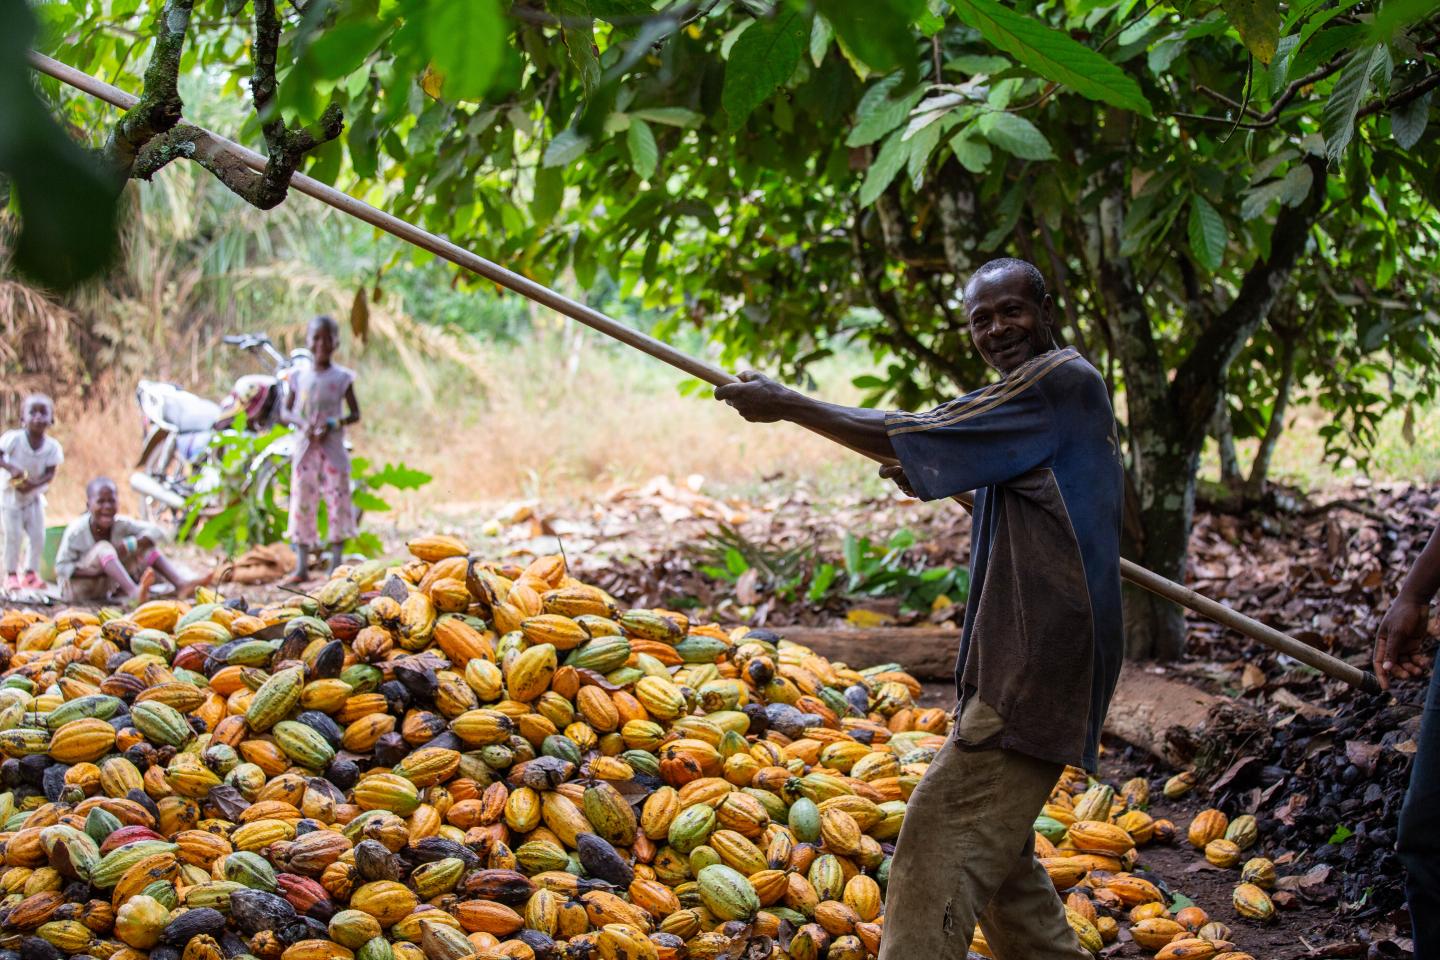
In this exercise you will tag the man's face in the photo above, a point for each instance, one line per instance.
(1007, 325)
(103, 504)
(37, 417)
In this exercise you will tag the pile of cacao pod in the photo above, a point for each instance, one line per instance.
(437, 759)
(1088, 839)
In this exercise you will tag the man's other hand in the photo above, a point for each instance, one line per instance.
(1397, 641)
(756, 397)
(893, 471)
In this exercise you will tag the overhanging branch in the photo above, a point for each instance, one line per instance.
(150, 135)
(160, 107)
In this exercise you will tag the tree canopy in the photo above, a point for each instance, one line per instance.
(1231, 199)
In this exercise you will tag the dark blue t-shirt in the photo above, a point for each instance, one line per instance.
(1043, 642)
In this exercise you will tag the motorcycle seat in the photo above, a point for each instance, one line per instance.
(185, 412)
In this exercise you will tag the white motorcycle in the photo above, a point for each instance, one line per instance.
(177, 460)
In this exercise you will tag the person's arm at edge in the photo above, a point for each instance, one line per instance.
(1397, 640)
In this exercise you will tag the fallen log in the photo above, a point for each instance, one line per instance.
(1172, 720)
(926, 653)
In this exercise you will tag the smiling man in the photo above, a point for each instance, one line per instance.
(1042, 645)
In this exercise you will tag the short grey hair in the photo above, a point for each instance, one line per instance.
(1034, 279)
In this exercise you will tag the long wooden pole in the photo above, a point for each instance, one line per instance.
(1184, 596)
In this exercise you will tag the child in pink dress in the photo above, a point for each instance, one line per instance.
(320, 406)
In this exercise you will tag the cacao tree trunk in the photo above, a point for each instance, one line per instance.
(1155, 627)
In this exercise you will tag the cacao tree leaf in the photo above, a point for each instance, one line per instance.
(1325, 45)
(1295, 187)
(894, 152)
(1053, 55)
(1015, 135)
(66, 200)
(644, 152)
(578, 35)
(922, 144)
(881, 110)
(1207, 233)
(821, 33)
(1258, 23)
(876, 31)
(548, 194)
(565, 147)
(669, 116)
(974, 155)
(466, 40)
(341, 49)
(1408, 120)
(1255, 201)
(1351, 89)
(763, 58)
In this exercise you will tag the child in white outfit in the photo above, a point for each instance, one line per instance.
(31, 459)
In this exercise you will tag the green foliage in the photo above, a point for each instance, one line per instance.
(1053, 54)
(65, 200)
(764, 57)
(733, 556)
(881, 570)
(1258, 23)
(869, 570)
(228, 509)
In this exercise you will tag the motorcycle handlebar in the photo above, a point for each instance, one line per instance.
(246, 341)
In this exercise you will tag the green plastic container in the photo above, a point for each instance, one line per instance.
(52, 549)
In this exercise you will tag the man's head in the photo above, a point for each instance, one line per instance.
(37, 413)
(322, 337)
(102, 499)
(1011, 315)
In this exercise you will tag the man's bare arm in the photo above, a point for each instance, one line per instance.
(759, 399)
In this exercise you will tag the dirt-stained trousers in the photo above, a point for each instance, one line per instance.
(966, 854)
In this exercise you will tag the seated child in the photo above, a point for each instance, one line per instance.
(104, 555)
(31, 458)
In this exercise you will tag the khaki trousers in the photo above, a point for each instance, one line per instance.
(966, 854)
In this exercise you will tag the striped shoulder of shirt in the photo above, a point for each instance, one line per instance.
(972, 405)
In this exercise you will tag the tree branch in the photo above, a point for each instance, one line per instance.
(151, 135)
(1224, 434)
(1272, 116)
(1201, 375)
(1415, 91)
(286, 147)
(160, 105)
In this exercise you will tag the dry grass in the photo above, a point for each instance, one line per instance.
(557, 427)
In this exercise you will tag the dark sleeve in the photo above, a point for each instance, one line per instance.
(983, 438)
